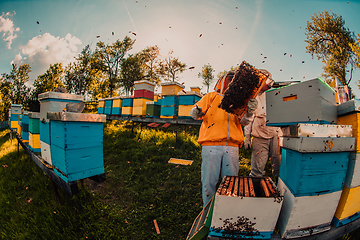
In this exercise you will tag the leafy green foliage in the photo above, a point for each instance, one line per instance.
(330, 41)
(207, 75)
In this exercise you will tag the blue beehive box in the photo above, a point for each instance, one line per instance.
(108, 106)
(170, 101)
(315, 165)
(25, 127)
(77, 145)
(52, 102)
(189, 99)
(127, 102)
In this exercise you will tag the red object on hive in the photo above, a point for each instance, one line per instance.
(143, 93)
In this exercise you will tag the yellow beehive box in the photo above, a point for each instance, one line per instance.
(101, 104)
(140, 102)
(349, 203)
(34, 140)
(126, 111)
(184, 110)
(195, 89)
(117, 103)
(139, 111)
(354, 120)
(171, 88)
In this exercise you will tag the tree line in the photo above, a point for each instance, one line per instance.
(109, 70)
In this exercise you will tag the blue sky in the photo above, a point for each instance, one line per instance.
(220, 33)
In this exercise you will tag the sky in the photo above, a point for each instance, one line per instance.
(268, 34)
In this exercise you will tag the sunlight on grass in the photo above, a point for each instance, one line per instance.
(8, 145)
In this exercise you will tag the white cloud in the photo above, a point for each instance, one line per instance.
(43, 50)
(8, 29)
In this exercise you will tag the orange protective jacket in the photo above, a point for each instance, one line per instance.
(218, 127)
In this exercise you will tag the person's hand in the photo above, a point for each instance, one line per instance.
(196, 113)
(247, 142)
(252, 105)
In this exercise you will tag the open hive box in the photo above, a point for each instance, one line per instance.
(246, 84)
(245, 207)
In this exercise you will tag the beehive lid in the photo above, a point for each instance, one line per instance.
(58, 95)
(34, 115)
(111, 98)
(172, 83)
(189, 93)
(76, 117)
(144, 81)
(348, 107)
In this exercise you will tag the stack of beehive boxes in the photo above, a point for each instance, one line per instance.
(25, 127)
(186, 102)
(314, 158)
(52, 102)
(34, 131)
(127, 106)
(348, 209)
(116, 106)
(101, 106)
(143, 92)
(15, 116)
(76, 144)
(170, 100)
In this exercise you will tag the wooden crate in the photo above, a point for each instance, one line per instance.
(171, 88)
(352, 119)
(77, 145)
(305, 215)
(309, 174)
(348, 208)
(244, 201)
(311, 101)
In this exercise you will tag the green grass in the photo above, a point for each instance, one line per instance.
(141, 186)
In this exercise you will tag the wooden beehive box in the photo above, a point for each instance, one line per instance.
(171, 88)
(311, 101)
(308, 163)
(144, 85)
(139, 106)
(77, 144)
(34, 131)
(52, 102)
(348, 208)
(201, 225)
(101, 106)
(195, 89)
(251, 205)
(305, 215)
(353, 171)
(153, 109)
(25, 127)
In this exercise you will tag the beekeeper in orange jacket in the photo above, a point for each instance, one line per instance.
(220, 136)
(264, 138)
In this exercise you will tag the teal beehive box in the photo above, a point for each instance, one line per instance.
(52, 102)
(25, 127)
(76, 144)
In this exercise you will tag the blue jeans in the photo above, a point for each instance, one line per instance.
(216, 160)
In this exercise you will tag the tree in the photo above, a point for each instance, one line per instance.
(13, 89)
(207, 75)
(171, 66)
(131, 72)
(82, 75)
(151, 64)
(111, 57)
(330, 41)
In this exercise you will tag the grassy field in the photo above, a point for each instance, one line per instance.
(141, 187)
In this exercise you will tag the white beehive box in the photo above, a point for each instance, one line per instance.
(311, 101)
(306, 215)
(243, 201)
